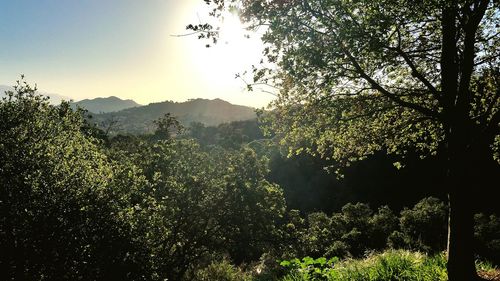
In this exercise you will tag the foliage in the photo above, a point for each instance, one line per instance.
(359, 77)
(207, 202)
(383, 223)
(309, 268)
(424, 226)
(221, 271)
(487, 234)
(227, 135)
(351, 232)
(77, 205)
(357, 230)
(364, 76)
(58, 219)
(167, 127)
(389, 265)
(127, 208)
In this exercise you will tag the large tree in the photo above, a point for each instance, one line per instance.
(60, 202)
(364, 76)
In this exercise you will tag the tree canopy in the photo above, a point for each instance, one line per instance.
(358, 77)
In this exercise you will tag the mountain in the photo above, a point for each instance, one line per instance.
(139, 120)
(104, 105)
(55, 99)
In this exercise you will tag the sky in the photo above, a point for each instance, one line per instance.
(126, 48)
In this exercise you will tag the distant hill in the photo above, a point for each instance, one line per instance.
(139, 120)
(54, 98)
(104, 105)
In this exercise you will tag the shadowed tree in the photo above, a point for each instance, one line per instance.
(59, 210)
(358, 77)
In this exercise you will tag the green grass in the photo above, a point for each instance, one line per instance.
(485, 266)
(391, 265)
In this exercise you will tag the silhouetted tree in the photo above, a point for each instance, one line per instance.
(364, 76)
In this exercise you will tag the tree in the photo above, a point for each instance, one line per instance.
(253, 205)
(167, 127)
(364, 76)
(424, 225)
(58, 217)
(199, 205)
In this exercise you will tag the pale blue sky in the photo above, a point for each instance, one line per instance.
(89, 48)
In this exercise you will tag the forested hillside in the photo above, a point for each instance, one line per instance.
(104, 105)
(139, 120)
(205, 203)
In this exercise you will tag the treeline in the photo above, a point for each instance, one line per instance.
(357, 230)
(76, 204)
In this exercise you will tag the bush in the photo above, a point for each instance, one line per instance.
(424, 226)
(309, 268)
(357, 230)
(221, 271)
(383, 224)
(487, 236)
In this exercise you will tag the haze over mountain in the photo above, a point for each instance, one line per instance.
(104, 105)
(127, 116)
(140, 119)
(54, 98)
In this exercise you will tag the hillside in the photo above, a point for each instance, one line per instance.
(104, 105)
(140, 119)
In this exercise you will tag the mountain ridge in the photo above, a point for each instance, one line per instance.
(139, 119)
(130, 117)
(105, 104)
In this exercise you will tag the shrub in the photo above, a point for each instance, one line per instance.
(383, 224)
(309, 268)
(221, 271)
(424, 226)
(487, 235)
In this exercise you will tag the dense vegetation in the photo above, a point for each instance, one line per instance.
(356, 78)
(202, 203)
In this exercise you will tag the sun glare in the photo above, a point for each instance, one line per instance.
(237, 49)
(232, 29)
(233, 53)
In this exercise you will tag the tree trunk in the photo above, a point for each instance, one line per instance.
(461, 265)
(464, 177)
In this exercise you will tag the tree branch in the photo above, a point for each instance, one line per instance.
(413, 68)
(367, 114)
(383, 91)
(375, 85)
(467, 64)
(417, 74)
(486, 60)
